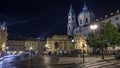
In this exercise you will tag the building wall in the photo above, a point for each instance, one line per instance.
(113, 18)
(3, 39)
(16, 45)
(25, 44)
(31, 43)
(64, 45)
(41, 46)
(80, 43)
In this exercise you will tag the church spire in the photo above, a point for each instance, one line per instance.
(85, 7)
(71, 21)
(71, 9)
(4, 26)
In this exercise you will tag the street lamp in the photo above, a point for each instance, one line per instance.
(93, 28)
(7, 49)
(46, 45)
(73, 41)
(83, 52)
(31, 50)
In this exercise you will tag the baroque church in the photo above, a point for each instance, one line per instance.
(81, 25)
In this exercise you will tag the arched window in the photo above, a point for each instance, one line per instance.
(86, 20)
(69, 28)
(80, 21)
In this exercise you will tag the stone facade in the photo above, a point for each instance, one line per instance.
(16, 45)
(114, 18)
(80, 43)
(59, 45)
(84, 19)
(31, 44)
(41, 46)
(25, 44)
(3, 37)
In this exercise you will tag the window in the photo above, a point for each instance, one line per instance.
(86, 20)
(65, 47)
(69, 28)
(80, 21)
(70, 47)
(109, 20)
(116, 18)
(73, 19)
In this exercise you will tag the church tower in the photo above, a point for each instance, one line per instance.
(84, 16)
(4, 26)
(71, 22)
(84, 19)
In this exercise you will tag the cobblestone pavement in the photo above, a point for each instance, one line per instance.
(45, 62)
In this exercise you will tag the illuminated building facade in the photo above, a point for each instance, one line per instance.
(80, 43)
(59, 45)
(3, 37)
(84, 20)
(31, 44)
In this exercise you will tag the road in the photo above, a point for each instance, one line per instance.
(44, 62)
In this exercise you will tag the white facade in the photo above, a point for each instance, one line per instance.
(113, 18)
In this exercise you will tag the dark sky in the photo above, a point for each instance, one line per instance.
(41, 18)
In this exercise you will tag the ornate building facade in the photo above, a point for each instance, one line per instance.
(80, 43)
(3, 37)
(16, 44)
(31, 44)
(59, 45)
(84, 19)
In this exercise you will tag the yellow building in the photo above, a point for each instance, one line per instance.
(59, 45)
(31, 44)
(3, 37)
(80, 43)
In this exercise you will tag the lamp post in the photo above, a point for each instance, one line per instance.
(83, 52)
(46, 48)
(7, 49)
(73, 41)
(31, 50)
(93, 28)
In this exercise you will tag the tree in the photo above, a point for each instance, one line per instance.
(93, 41)
(118, 35)
(107, 33)
(110, 34)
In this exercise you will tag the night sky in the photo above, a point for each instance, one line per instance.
(42, 18)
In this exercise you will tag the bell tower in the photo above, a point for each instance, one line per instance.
(71, 22)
